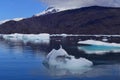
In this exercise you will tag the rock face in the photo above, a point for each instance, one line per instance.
(87, 20)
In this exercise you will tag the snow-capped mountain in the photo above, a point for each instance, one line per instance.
(87, 20)
(15, 19)
(49, 10)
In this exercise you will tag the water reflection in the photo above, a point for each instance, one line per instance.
(103, 72)
(19, 62)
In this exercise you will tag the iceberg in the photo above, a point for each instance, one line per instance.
(99, 50)
(37, 38)
(98, 47)
(32, 38)
(60, 60)
(95, 42)
(13, 37)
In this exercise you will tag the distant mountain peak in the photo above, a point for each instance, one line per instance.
(49, 10)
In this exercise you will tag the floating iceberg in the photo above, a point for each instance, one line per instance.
(33, 38)
(37, 38)
(98, 47)
(13, 37)
(104, 39)
(59, 60)
(99, 50)
(95, 42)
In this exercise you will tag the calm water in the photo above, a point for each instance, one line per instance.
(19, 61)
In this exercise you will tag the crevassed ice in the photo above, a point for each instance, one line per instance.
(59, 60)
(33, 38)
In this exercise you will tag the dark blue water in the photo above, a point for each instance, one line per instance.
(20, 61)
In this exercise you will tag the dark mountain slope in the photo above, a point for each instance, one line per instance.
(88, 20)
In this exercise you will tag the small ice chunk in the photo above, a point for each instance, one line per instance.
(105, 39)
(64, 35)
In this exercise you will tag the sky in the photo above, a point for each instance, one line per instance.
(71, 4)
(10, 9)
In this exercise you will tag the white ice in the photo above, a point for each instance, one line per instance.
(95, 42)
(85, 35)
(98, 47)
(99, 50)
(50, 10)
(60, 60)
(33, 38)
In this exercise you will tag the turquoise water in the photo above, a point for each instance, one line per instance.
(99, 49)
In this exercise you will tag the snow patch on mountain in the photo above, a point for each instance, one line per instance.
(49, 10)
(15, 19)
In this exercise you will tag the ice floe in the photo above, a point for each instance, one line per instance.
(95, 42)
(99, 50)
(33, 38)
(98, 47)
(105, 39)
(60, 60)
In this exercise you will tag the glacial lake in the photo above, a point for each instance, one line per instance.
(24, 61)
